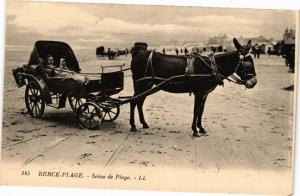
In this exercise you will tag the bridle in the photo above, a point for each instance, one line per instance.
(219, 76)
(245, 75)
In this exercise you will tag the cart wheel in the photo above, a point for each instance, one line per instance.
(89, 115)
(34, 100)
(75, 102)
(110, 114)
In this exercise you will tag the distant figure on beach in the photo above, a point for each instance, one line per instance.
(213, 50)
(164, 51)
(256, 51)
(269, 51)
(290, 57)
(176, 50)
(185, 51)
(181, 51)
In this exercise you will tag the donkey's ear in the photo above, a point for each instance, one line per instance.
(236, 44)
(249, 45)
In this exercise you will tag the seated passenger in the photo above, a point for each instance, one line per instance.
(62, 71)
(49, 67)
(52, 69)
(50, 59)
(62, 63)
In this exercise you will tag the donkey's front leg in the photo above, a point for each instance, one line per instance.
(201, 109)
(197, 103)
(131, 121)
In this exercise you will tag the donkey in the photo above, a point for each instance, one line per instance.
(155, 66)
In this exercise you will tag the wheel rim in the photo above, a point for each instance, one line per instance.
(34, 100)
(76, 102)
(89, 115)
(110, 114)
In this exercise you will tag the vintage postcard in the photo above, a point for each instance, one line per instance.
(142, 97)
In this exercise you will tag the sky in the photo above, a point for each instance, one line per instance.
(92, 25)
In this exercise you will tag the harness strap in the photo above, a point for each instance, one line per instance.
(190, 60)
(149, 63)
(214, 69)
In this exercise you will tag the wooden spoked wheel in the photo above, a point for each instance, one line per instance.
(110, 114)
(89, 115)
(75, 102)
(34, 99)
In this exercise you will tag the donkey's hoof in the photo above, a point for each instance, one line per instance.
(196, 134)
(202, 130)
(133, 129)
(145, 126)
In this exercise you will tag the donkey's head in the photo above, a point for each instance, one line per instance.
(245, 69)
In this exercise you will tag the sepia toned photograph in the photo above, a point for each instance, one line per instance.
(148, 97)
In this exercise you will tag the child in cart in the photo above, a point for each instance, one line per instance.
(62, 71)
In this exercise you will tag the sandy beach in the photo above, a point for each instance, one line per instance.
(246, 128)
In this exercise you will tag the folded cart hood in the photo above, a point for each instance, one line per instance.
(55, 48)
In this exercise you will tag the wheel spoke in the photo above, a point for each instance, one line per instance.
(93, 110)
(38, 98)
(85, 108)
(38, 108)
(109, 115)
(28, 98)
(113, 112)
(75, 104)
(32, 106)
(31, 90)
(35, 110)
(90, 122)
(86, 119)
(34, 91)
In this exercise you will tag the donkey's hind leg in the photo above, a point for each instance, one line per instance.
(139, 88)
(140, 104)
